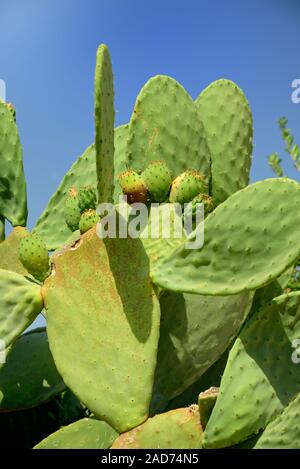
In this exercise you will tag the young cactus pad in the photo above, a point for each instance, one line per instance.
(101, 290)
(34, 256)
(250, 239)
(176, 429)
(158, 179)
(9, 251)
(206, 402)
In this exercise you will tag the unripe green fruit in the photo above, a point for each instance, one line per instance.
(204, 199)
(72, 211)
(34, 256)
(133, 186)
(186, 186)
(158, 179)
(88, 220)
(206, 402)
(12, 109)
(87, 198)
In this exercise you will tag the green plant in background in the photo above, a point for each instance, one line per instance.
(293, 150)
(138, 327)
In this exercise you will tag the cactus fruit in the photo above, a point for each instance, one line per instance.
(34, 256)
(133, 186)
(186, 186)
(206, 403)
(158, 179)
(87, 198)
(84, 434)
(88, 220)
(72, 210)
(204, 199)
(12, 109)
(175, 429)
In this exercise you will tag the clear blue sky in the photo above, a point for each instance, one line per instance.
(47, 58)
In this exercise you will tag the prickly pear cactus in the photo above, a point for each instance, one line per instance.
(139, 324)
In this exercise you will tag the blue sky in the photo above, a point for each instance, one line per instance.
(48, 56)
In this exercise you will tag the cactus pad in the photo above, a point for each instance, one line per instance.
(9, 251)
(104, 124)
(227, 121)
(20, 303)
(29, 377)
(83, 434)
(13, 198)
(260, 377)
(250, 239)
(90, 304)
(165, 125)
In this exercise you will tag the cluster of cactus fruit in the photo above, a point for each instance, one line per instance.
(149, 344)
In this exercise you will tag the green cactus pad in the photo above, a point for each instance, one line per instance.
(250, 239)
(104, 124)
(284, 431)
(12, 110)
(206, 403)
(29, 378)
(20, 303)
(72, 210)
(83, 434)
(227, 121)
(176, 429)
(158, 179)
(260, 377)
(165, 125)
(9, 251)
(87, 199)
(13, 198)
(34, 256)
(186, 186)
(88, 220)
(195, 331)
(133, 186)
(103, 315)
(82, 172)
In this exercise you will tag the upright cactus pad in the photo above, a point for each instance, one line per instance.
(87, 199)
(158, 179)
(177, 429)
(133, 186)
(260, 377)
(206, 402)
(34, 256)
(88, 220)
(72, 210)
(103, 315)
(13, 198)
(29, 378)
(227, 121)
(165, 125)
(250, 239)
(20, 303)
(186, 186)
(104, 125)
(83, 434)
